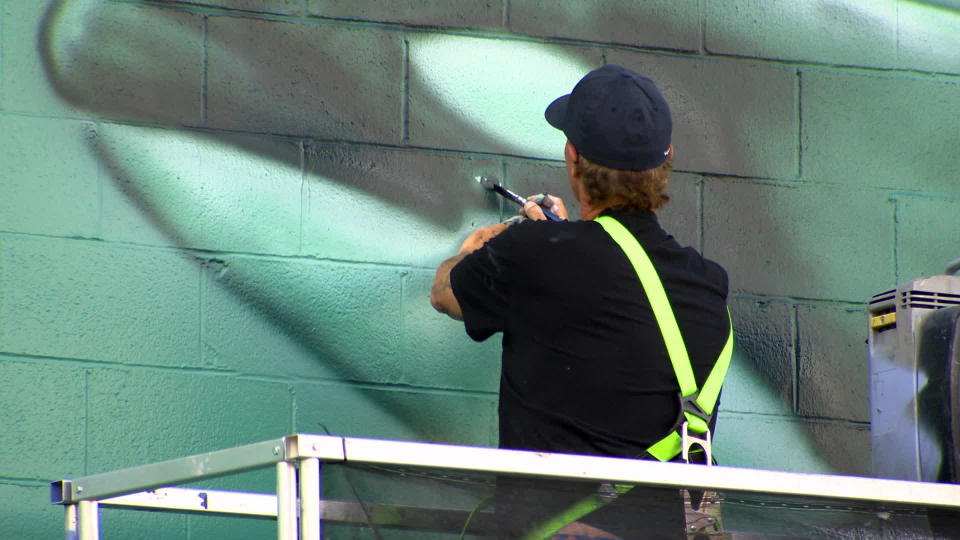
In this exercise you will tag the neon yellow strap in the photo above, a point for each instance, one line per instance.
(658, 302)
(668, 447)
(587, 505)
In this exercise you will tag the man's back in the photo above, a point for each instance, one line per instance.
(585, 368)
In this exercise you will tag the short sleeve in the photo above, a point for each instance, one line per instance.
(481, 284)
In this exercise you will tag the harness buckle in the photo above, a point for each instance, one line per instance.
(687, 440)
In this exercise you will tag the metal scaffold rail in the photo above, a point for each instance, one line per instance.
(300, 509)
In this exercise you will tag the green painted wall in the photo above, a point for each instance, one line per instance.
(219, 219)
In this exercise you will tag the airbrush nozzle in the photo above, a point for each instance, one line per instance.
(491, 183)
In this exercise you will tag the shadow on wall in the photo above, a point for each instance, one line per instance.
(145, 65)
(335, 86)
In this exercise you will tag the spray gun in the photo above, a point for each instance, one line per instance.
(491, 183)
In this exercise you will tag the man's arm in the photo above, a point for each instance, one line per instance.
(441, 294)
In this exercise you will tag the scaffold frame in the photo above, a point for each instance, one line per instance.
(298, 508)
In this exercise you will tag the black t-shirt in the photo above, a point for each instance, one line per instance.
(585, 369)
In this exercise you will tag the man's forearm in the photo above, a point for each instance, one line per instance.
(441, 294)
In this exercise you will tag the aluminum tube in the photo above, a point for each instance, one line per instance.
(286, 501)
(310, 499)
(70, 522)
(88, 520)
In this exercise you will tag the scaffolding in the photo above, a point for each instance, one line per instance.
(802, 505)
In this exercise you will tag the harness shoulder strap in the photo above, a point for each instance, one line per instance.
(696, 405)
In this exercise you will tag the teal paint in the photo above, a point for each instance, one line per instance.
(926, 28)
(802, 244)
(219, 219)
(498, 97)
(49, 396)
(885, 139)
(925, 240)
(71, 180)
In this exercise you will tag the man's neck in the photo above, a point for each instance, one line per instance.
(589, 211)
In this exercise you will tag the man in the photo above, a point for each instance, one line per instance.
(585, 365)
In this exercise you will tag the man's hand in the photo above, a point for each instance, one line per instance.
(441, 294)
(533, 208)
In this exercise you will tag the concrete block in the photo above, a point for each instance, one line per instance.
(302, 319)
(215, 192)
(78, 299)
(764, 365)
(327, 81)
(495, 102)
(117, 61)
(390, 206)
(49, 178)
(414, 12)
(927, 39)
(27, 513)
(435, 349)
(926, 237)
(661, 24)
(768, 442)
(749, 118)
(793, 241)
(845, 446)
(729, 117)
(47, 413)
(143, 416)
(24, 85)
(865, 130)
(848, 32)
(834, 378)
(443, 417)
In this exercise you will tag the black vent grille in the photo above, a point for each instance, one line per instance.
(928, 299)
(884, 296)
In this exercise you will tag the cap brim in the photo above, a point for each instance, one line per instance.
(556, 112)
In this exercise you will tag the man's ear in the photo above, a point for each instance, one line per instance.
(571, 155)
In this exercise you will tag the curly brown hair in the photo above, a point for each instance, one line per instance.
(634, 190)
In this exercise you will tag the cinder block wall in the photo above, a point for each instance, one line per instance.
(219, 219)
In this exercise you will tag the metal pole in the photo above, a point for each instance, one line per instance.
(310, 499)
(88, 519)
(70, 522)
(286, 501)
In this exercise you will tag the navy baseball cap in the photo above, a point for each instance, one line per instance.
(615, 118)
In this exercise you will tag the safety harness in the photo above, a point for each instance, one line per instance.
(696, 405)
